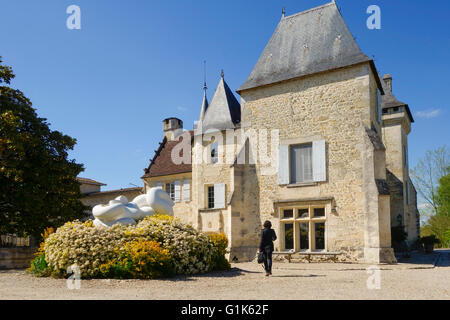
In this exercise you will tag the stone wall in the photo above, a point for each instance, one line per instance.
(16, 258)
(183, 209)
(336, 106)
(204, 174)
(396, 127)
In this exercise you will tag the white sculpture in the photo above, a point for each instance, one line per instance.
(121, 211)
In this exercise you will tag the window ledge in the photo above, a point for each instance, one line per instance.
(303, 184)
(210, 209)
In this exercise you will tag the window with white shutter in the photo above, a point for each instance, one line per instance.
(319, 161)
(177, 197)
(283, 164)
(170, 189)
(210, 191)
(187, 190)
(219, 196)
(301, 163)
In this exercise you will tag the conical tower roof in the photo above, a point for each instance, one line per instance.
(224, 111)
(204, 106)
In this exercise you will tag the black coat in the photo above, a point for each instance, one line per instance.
(268, 236)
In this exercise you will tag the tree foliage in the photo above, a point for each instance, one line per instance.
(443, 196)
(426, 175)
(38, 186)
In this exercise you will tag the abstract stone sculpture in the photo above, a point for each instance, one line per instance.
(123, 212)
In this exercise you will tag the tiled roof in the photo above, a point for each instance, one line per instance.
(162, 164)
(124, 190)
(90, 181)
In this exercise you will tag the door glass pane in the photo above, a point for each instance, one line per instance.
(319, 235)
(304, 235)
(303, 213)
(288, 236)
(288, 214)
(319, 212)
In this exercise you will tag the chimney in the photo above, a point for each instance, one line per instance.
(388, 81)
(172, 128)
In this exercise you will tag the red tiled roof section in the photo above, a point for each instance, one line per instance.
(162, 164)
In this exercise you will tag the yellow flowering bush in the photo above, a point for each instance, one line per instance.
(39, 266)
(47, 232)
(220, 243)
(139, 259)
(156, 246)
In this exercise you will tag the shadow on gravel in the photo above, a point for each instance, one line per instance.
(417, 257)
(233, 272)
(299, 276)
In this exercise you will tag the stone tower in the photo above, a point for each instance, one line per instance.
(396, 126)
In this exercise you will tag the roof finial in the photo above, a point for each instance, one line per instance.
(221, 73)
(204, 76)
(283, 12)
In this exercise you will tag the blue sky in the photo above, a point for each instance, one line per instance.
(134, 63)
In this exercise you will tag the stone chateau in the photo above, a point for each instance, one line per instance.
(339, 179)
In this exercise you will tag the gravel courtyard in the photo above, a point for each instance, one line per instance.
(421, 277)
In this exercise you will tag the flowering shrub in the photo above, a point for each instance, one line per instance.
(38, 265)
(139, 259)
(220, 243)
(157, 246)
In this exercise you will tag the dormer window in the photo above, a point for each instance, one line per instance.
(214, 152)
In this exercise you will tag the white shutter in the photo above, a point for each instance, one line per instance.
(159, 184)
(186, 190)
(319, 161)
(177, 191)
(283, 164)
(219, 196)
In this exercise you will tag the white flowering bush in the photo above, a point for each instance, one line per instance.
(171, 245)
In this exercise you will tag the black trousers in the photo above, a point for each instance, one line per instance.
(268, 259)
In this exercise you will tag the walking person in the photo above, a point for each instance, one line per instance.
(268, 236)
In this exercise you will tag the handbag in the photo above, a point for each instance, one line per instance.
(261, 257)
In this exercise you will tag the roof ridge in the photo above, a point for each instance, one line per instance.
(310, 10)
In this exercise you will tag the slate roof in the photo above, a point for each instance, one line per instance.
(204, 107)
(224, 111)
(305, 43)
(162, 164)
